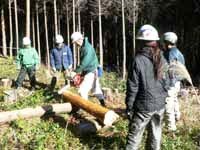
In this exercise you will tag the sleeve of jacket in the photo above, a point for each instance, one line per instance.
(18, 59)
(52, 61)
(70, 57)
(84, 62)
(132, 86)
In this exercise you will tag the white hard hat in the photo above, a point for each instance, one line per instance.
(26, 41)
(59, 38)
(76, 36)
(148, 33)
(170, 37)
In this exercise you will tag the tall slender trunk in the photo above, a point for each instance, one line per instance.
(79, 20)
(46, 34)
(59, 21)
(28, 18)
(116, 44)
(33, 29)
(55, 17)
(67, 15)
(92, 32)
(134, 21)
(74, 28)
(11, 31)
(124, 41)
(16, 25)
(100, 36)
(3, 29)
(38, 31)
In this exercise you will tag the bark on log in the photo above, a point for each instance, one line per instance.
(34, 112)
(108, 117)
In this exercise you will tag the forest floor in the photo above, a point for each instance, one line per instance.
(50, 133)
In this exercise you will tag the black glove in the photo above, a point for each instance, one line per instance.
(129, 114)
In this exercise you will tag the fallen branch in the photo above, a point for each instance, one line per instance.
(34, 112)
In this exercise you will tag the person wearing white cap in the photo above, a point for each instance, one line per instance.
(87, 68)
(172, 53)
(27, 61)
(61, 60)
(146, 91)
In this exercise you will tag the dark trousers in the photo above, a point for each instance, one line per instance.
(153, 122)
(26, 70)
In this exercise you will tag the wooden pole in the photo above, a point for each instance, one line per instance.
(106, 116)
(34, 112)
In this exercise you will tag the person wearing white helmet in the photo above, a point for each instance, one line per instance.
(27, 61)
(172, 53)
(146, 91)
(61, 60)
(87, 68)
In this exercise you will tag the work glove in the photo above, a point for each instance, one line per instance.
(37, 67)
(54, 69)
(18, 67)
(129, 114)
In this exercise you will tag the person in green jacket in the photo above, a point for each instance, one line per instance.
(27, 61)
(88, 68)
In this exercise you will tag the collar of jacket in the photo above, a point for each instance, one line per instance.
(146, 51)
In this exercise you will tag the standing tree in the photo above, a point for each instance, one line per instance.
(124, 41)
(100, 36)
(16, 25)
(55, 17)
(38, 30)
(33, 29)
(28, 18)
(67, 16)
(46, 34)
(74, 28)
(3, 29)
(11, 31)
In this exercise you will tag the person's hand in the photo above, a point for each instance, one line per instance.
(129, 114)
(37, 67)
(18, 67)
(54, 69)
(72, 74)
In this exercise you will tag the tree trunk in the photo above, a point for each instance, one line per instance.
(33, 30)
(79, 29)
(100, 36)
(124, 41)
(106, 116)
(11, 31)
(46, 34)
(74, 28)
(16, 25)
(67, 15)
(134, 18)
(3, 29)
(34, 112)
(28, 18)
(38, 32)
(79, 20)
(55, 18)
(92, 32)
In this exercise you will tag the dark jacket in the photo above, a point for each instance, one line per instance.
(144, 93)
(88, 58)
(61, 58)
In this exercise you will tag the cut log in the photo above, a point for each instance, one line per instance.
(34, 112)
(6, 83)
(106, 116)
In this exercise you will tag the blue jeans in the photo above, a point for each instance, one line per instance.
(26, 70)
(141, 120)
